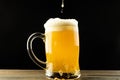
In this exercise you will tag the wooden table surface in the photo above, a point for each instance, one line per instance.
(40, 75)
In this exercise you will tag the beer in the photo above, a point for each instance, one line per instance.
(62, 47)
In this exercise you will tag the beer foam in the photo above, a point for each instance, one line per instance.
(56, 24)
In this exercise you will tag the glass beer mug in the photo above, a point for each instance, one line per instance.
(61, 40)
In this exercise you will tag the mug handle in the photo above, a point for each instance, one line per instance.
(31, 54)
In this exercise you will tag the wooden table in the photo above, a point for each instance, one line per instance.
(40, 75)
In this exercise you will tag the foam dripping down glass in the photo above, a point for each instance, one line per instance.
(61, 46)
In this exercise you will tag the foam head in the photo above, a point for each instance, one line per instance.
(56, 24)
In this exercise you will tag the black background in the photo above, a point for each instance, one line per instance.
(99, 29)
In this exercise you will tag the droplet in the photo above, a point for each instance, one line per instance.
(62, 6)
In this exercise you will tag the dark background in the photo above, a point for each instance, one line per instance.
(99, 29)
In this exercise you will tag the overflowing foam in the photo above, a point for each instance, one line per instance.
(57, 24)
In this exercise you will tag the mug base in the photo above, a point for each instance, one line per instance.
(56, 75)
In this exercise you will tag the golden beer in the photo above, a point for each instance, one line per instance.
(62, 48)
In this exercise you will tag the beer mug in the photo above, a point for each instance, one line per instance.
(61, 40)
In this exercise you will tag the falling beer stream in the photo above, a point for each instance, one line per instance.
(62, 6)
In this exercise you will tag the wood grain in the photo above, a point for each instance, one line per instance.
(40, 75)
